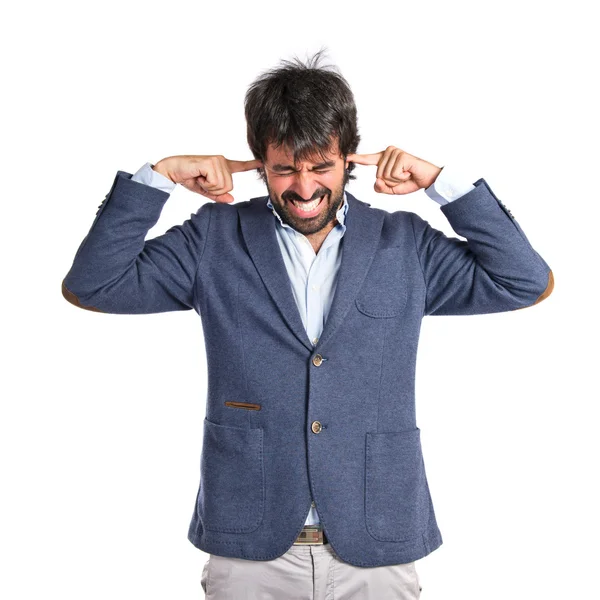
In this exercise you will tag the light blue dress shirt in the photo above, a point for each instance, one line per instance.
(313, 277)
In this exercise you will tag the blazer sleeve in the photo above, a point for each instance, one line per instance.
(116, 271)
(494, 270)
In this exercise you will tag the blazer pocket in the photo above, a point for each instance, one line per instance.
(246, 405)
(231, 496)
(383, 293)
(396, 493)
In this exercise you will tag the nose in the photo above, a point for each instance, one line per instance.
(305, 185)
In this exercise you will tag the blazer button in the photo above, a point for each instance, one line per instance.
(317, 360)
(316, 427)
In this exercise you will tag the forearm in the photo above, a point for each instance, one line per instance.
(496, 269)
(115, 270)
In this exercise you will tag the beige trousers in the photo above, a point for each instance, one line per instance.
(306, 572)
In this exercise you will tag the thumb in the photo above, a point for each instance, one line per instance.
(194, 186)
(380, 185)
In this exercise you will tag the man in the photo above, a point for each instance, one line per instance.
(312, 474)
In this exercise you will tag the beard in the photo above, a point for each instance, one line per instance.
(314, 224)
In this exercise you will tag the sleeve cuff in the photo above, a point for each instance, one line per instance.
(449, 185)
(148, 176)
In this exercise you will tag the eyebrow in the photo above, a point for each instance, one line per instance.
(329, 163)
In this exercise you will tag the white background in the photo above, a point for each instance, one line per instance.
(101, 414)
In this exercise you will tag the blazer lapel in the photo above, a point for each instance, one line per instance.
(360, 241)
(258, 228)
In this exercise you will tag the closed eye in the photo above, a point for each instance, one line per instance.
(320, 171)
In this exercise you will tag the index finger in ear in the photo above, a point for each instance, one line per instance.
(365, 159)
(237, 166)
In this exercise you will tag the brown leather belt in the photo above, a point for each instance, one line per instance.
(312, 534)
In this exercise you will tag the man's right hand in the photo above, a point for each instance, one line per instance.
(206, 175)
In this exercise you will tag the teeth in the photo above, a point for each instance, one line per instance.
(308, 206)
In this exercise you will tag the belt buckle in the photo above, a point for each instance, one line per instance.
(311, 534)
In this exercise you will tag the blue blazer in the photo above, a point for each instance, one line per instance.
(286, 421)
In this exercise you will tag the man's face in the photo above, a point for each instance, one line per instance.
(306, 195)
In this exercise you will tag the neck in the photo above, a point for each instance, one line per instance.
(316, 239)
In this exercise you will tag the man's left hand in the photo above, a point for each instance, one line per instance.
(397, 171)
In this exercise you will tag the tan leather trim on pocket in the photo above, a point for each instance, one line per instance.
(247, 405)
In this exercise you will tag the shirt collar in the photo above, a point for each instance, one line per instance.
(340, 214)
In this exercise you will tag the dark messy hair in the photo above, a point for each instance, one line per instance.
(305, 107)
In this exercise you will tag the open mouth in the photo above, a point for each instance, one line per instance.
(308, 208)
